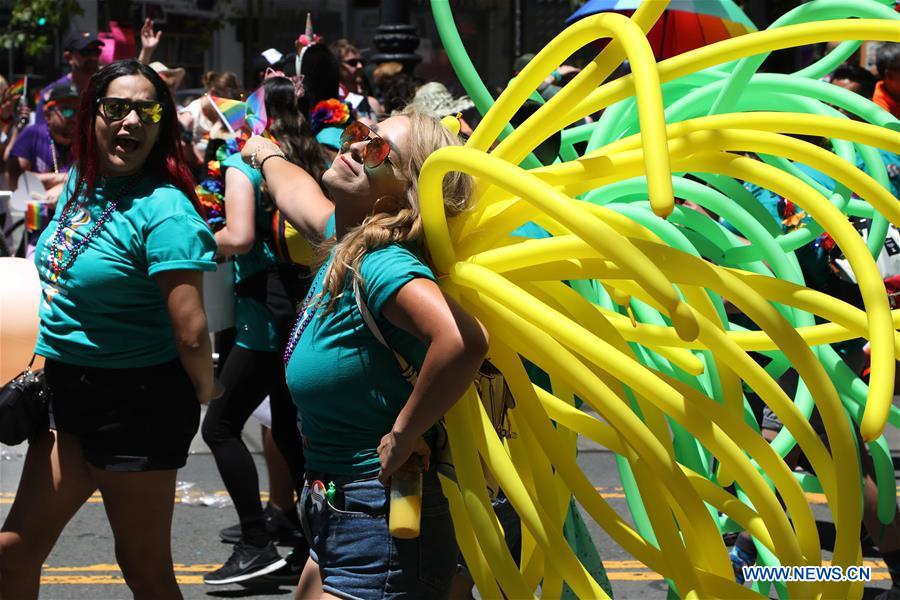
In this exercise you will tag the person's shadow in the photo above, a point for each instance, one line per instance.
(827, 535)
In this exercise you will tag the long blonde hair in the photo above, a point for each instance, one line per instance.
(400, 220)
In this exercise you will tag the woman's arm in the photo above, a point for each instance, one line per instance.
(457, 345)
(238, 235)
(296, 194)
(183, 293)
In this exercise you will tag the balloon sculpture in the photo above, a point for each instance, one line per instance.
(624, 305)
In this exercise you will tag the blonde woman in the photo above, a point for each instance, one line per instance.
(361, 420)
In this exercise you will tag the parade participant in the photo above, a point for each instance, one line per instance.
(124, 333)
(354, 88)
(361, 419)
(200, 116)
(887, 90)
(266, 290)
(82, 54)
(44, 148)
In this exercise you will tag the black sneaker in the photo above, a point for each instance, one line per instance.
(281, 527)
(246, 562)
(289, 574)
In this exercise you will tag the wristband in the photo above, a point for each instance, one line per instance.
(263, 161)
(557, 76)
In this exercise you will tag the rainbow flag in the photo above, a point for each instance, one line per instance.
(17, 87)
(233, 112)
(256, 111)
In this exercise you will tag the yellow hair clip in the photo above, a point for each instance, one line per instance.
(451, 122)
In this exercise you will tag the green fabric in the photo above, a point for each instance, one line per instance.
(254, 322)
(345, 383)
(579, 538)
(106, 309)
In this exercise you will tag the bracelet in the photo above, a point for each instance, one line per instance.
(262, 163)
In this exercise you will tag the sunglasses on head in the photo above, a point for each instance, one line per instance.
(355, 62)
(149, 112)
(375, 152)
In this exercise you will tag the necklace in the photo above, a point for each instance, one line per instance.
(307, 310)
(53, 152)
(58, 259)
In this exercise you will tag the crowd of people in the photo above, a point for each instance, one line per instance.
(144, 196)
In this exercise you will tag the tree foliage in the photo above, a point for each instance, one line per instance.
(33, 24)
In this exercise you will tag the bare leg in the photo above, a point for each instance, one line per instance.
(281, 487)
(310, 586)
(139, 507)
(55, 482)
(886, 537)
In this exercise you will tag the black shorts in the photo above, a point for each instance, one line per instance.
(135, 419)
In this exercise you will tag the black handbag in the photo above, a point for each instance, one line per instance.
(24, 408)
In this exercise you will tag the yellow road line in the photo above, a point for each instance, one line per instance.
(109, 574)
(605, 492)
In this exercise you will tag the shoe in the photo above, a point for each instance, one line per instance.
(282, 529)
(890, 594)
(246, 562)
(739, 560)
(289, 574)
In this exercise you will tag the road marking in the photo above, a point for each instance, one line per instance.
(109, 574)
(609, 493)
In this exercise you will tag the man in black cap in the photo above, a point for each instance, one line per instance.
(82, 54)
(44, 148)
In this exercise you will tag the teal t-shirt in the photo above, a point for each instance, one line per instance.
(106, 309)
(254, 322)
(345, 383)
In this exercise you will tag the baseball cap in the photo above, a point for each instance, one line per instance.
(77, 41)
(61, 91)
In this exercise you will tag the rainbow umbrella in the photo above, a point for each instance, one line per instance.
(684, 26)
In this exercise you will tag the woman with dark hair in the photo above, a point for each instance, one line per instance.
(266, 289)
(123, 330)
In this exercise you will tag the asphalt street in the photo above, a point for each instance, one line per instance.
(82, 565)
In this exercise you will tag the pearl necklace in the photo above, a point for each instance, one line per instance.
(58, 259)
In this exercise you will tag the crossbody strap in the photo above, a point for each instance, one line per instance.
(406, 369)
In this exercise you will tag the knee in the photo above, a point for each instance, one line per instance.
(147, 573)
(214, 431)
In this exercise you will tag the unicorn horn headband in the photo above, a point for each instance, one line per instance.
(306, 39)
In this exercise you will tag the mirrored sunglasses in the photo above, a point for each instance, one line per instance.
(375, 152)
(149, 112)
(67, 112)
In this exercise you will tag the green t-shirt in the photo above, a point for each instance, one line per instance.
(345, 383)
(106, 309)
(254, 322)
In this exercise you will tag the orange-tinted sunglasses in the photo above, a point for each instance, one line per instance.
(375, 152)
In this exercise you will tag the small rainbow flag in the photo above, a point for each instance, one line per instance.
(233, 112)
(256, 111)
(17, 87)
(37, 215)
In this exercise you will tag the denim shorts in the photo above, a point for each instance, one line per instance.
(358, 558)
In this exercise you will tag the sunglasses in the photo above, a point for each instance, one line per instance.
(375, 152)
(67, 112)
(89, 52)
(149, 112)
(355, 62)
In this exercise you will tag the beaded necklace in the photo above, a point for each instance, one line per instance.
(53, 152)
(58, 259)
(307, 310)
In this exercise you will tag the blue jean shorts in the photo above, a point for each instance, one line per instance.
(357, 556)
